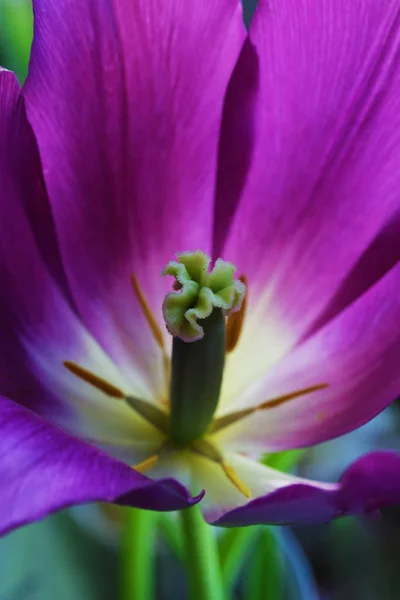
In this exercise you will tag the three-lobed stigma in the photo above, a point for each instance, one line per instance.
(197, 292)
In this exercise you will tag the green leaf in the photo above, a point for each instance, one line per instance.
(16, 27)
(171, 534)
(234, 547)
(264, 579)
(283, 461)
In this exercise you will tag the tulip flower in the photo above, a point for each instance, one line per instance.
(199, 256)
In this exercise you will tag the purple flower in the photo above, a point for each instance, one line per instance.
(148, 128)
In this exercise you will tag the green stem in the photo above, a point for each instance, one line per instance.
(137, 555)
(203, 567)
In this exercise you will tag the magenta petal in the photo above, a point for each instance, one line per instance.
(356, 355)
(28, 292)
(42, 470)
(369, 484)
(22, 184)
(126, 100)
(318, 193)
(24, 258)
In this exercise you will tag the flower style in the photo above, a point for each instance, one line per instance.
(152, 131)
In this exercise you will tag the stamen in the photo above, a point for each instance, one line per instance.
(233, 478)
(233, 417)
(155, 329)
(282, 399)
(98, 382)
(154, 415)
(208, 450)
(234, 322)
(146, 464)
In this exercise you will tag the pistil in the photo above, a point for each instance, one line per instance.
(195, 315)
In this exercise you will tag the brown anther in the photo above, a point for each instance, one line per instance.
(282, 399)
(97, 382)
(150, 318)
(234, 417)
(146, 464)
(234, 322)
(209, 450)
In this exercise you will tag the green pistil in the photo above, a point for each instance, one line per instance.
(197, 367)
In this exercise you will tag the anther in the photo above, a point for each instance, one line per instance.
(210, 451)
(234, 322)
(144, 305)
(146, 464)
(94, 380)
(282, 399)
(231, 418)
(233, 478)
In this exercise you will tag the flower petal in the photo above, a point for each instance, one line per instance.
(22, 179)
(221, 495)
(369, 484)
(126, 99)
(317, 194)
(26, 285)
(43, 470)
(356, 354)
(39, 329)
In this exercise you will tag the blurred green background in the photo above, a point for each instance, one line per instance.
(73, 555)
(15, 35)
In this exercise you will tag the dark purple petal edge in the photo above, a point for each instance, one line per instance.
(369, 484)
(43, 470)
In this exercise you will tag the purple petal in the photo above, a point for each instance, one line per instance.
(369, 484)
(319, 197)
(43, 470)
(126, 99)
(38, 327)
(29, 293)
(356, 355)
(22, 178)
